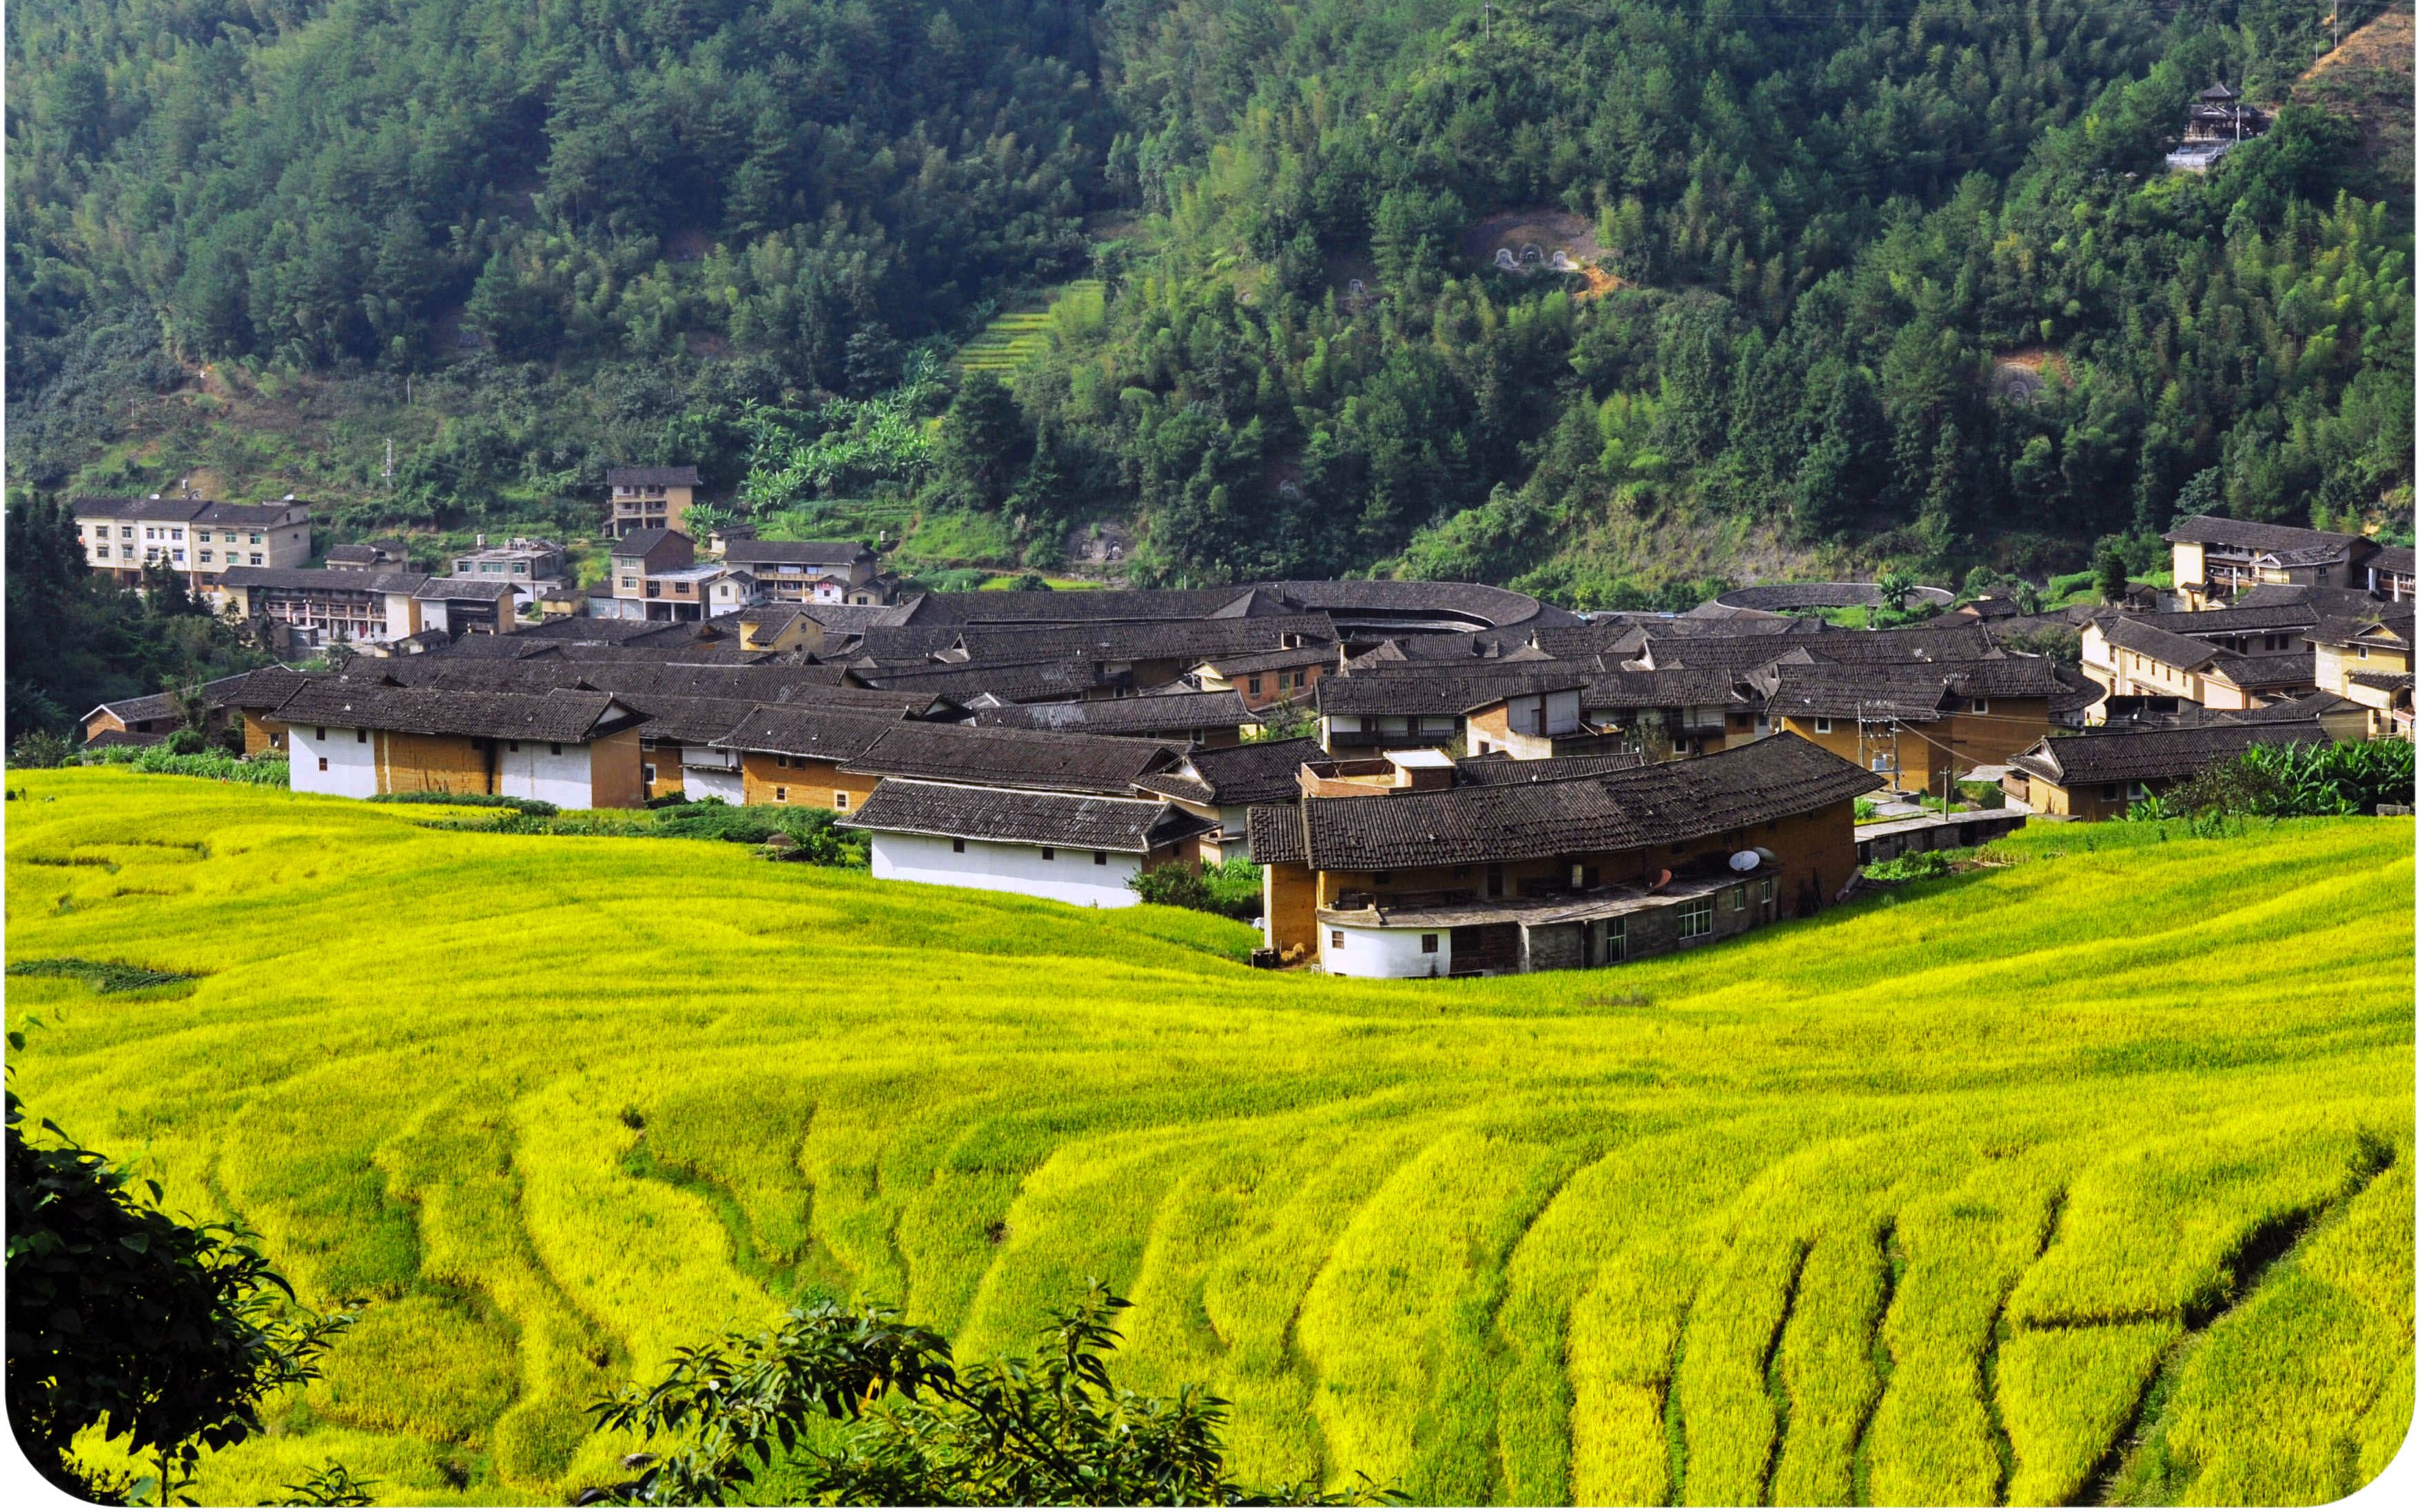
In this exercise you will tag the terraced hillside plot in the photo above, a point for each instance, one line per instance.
(1011, 341)
(1989, 1190)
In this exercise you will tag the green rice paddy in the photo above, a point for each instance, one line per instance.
(2086, 1178)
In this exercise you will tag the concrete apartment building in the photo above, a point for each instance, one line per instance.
(200, 538)
(649, 498)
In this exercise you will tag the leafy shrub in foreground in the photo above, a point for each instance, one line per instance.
(1232, 888)
(267, 770)
(167, 1334)
(2290, 782)
(1051, 1431)
(1914, 866)
(535, 807)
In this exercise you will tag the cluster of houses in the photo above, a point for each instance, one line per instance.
(255, 560)
(1435, 778)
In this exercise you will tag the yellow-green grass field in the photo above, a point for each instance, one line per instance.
(2087, 1177)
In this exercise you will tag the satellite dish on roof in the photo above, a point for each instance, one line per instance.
(1744, 860)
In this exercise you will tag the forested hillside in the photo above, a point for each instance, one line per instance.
(1853, 282)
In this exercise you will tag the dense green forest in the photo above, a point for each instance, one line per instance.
(527, 240)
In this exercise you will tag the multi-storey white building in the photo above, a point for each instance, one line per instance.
(197, 538)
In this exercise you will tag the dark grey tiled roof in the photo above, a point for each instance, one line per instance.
(809, 553)
(2390, 626)
(1016, 683)
(1668, 688)
(176, 511)
(827, 734)
(1497, 767)
(558, 714)
(1920, 642)
(1425, 688)
(1017, 816)
(1011, 758)
(2392, 559)
(2284, 711)
(639, 543)
(252, 516)
(2289, 614)
(766, 683)
(1169, 711)
(477, 588)
(2006, 677)
(1243, 664)
(1188, 640)
(324, 580)
(2251, 535)
(2179, 651)
(855, 619)
(651, 477)
(2384, 682)
(2285, 670)
(1257, 771)
(2136, 756)
(1364, 599)
(1075, 607)
(689, 720)
(1661, 803)
(1912, 692)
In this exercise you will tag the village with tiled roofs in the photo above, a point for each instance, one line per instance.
(1433, 779)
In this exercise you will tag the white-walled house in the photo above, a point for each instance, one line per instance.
(572, 747)
(1072, 848)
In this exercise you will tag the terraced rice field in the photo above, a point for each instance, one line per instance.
(1010, 342)
(2083, 1179)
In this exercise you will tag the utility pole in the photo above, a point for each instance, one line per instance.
(1488, 19)
(389, 475)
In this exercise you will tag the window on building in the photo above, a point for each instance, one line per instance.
(255, 537)
(1617, 940)
(1100, 858)
(1335, 939)
(1252, 686)
(1696, 919)
(360, 737)
(319, 732)
(840, 800)
(554, 748)
(323, 763)
(629, 582)
(512, 745)
(256, 559)
(2110, 791)
(1739, 899)
(1822, 727)
(176, 535)
(103, 550)
(781, 794)
(151, 533)
(205, 556)
(646, 771)
(178, 553)
(1428, 944)
(779, 760)
(1050, 852)
(126, 532)
(1979, 706)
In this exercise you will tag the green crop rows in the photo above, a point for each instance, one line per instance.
(2086, 1178)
